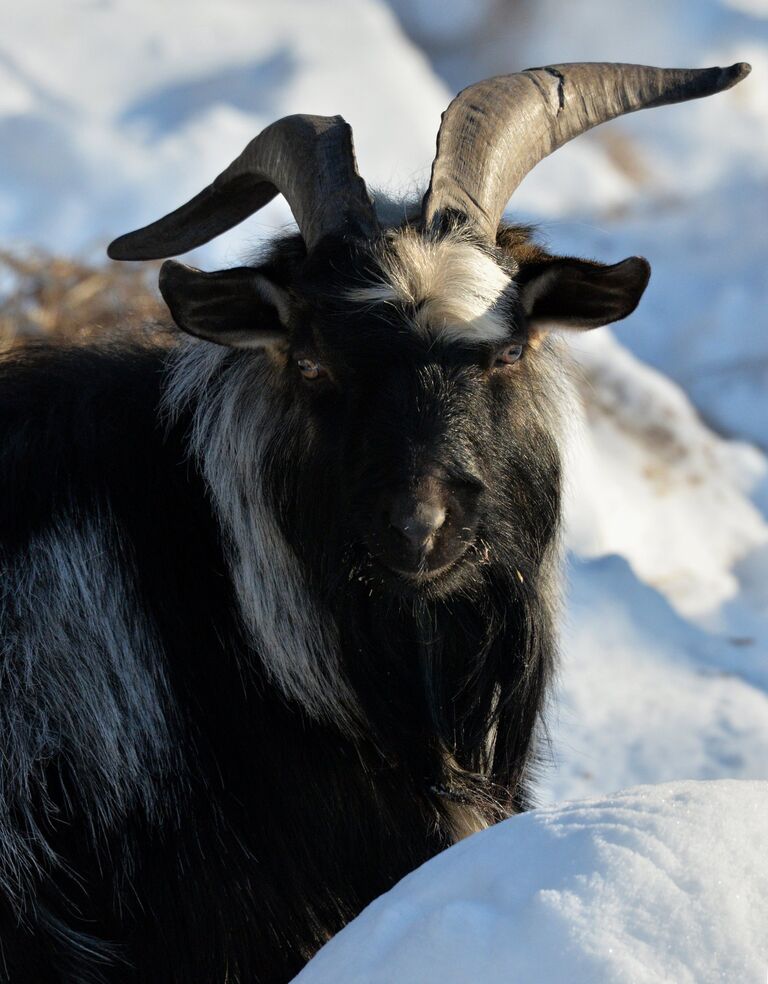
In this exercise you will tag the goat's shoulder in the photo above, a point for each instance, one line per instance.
(80, 391)
(80, 428)
(99, 491)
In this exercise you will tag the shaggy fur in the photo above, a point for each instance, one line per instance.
(237, 419)
(226, 727)
(451, 289)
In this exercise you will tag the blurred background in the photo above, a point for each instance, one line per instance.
(114, 112)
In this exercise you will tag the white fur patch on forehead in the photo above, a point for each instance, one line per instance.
(449, 287)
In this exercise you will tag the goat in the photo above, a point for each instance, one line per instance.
(278, 604)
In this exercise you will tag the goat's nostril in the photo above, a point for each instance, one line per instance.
(417, 522)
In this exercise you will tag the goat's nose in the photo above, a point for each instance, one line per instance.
(417, 521)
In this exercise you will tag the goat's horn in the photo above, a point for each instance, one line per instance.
(308, 159)
(495, 132)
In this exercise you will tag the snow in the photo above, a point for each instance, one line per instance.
(658, 884)
(651, 482)
(112, 115)
(113, 112)
(646, 695)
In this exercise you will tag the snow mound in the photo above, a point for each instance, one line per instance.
(651, 482)
(645, 696)
(655, 884)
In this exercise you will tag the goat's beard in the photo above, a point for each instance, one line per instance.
(448, 672)
(435, 669)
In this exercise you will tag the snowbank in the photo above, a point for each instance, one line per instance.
(651, 482)
(648, 696)
(657, 884)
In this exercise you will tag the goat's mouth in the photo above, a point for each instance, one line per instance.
(420, 576)
(422, 580)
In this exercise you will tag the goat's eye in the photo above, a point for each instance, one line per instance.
(509, 355)
(310, 369)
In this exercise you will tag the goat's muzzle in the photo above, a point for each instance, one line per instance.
(422, 531)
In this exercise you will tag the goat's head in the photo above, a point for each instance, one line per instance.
(419, 351)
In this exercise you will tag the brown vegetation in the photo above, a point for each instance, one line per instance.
(64, 300)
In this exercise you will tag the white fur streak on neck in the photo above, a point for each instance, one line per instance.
(235, 422)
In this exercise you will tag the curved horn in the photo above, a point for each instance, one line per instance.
(495, 132)
(308, 159)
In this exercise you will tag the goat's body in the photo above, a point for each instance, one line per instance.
(169, 813)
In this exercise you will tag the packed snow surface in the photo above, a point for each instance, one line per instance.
(651, 886)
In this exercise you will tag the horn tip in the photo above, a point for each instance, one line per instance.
(127, 248)
(736, 73)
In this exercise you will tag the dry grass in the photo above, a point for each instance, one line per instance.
(67, 301)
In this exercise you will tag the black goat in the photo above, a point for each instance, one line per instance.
(277, 614)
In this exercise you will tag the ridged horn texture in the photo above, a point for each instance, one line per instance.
(310, 160)
(496, 131)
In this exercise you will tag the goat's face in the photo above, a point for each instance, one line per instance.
(427, 390)
(437, 448)
(423, 392)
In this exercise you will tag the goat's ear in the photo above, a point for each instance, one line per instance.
(240, 307)
(575, 293)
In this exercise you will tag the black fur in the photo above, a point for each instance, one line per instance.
(214, 829)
